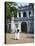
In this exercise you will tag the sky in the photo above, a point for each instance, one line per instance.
(23, 4)
(19, 4)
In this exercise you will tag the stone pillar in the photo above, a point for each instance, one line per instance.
(12, 23)
(31, 13)
(28, 27)
(21, 14)
(27, 13)
(19, 26)
(17, 14)
(7, 27)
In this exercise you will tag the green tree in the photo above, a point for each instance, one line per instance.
(9, 9)
(13, 8)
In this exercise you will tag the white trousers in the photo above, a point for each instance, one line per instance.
(17, 35)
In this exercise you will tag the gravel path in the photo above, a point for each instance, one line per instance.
(24, 38)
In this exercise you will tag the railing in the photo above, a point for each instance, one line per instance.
(23, 18)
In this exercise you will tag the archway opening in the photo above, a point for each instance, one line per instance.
(24, 14)
(23, 27)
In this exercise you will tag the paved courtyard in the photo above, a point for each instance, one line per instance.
(24, 38)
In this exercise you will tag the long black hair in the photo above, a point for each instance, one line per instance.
(17, 30)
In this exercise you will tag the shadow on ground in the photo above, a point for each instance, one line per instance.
(30, 37)
(12, 38)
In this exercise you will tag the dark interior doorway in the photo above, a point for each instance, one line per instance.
(23, 27)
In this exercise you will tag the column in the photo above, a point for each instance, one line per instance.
(19, 26)
(12, 23)
(21, 14)
(17, 14)
(27, 13)
(28, 27)
(31, 13)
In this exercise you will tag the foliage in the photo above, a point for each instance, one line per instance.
(9, 9)
(14, 10)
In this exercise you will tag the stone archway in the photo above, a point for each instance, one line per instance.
(23, 27)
